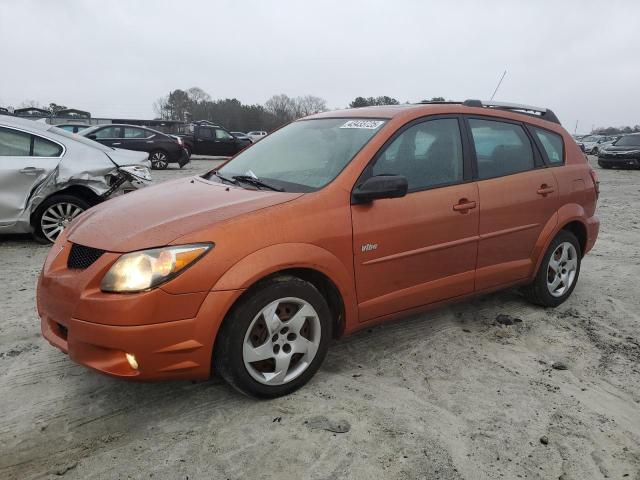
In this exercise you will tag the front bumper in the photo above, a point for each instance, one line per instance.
(171, 336)
(619, 161)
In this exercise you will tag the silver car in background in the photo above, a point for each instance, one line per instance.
(49, 176)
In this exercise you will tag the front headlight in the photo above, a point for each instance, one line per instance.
(138, 271)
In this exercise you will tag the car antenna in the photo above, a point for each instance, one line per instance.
(498, 86)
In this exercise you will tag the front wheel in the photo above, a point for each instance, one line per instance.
(159, 160)
(558, 273)
(275, 339)
(54, 214)
(604, 165)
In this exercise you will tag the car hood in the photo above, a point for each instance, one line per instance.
(625, 148)
(156, 216)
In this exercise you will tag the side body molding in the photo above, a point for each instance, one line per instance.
(274, 258)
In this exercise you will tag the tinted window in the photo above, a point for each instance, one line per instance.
(428, 154)
(14, 143)
(501, 148)
(206, 132)
(45, 148)
(552, 144)
(130, 132)
(222, 135)
(108, 132)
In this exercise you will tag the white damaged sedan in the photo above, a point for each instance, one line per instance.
(49, 176)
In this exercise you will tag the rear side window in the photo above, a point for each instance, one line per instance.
(45, 148)
(501, 148)
(108, 132)
(552, 144)
(14, 143)
(130, 132)
(428, 154)
(206, 132)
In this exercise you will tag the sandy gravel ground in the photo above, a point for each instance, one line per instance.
(449, 394)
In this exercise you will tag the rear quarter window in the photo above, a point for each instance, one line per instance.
(552, 144)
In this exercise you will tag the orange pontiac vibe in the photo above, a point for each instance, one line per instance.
(331, 224)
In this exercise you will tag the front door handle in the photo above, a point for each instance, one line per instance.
(31, 170)
(545, 190)
(116, 143)
(464, 205)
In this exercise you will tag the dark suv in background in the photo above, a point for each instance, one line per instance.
(625, 152)
(162, 149)
(205, 138)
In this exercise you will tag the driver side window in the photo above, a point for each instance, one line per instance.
(222, 135)
(428, 154)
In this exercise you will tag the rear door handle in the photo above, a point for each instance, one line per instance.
(116, 143)
(464, 205)
(31, 170)
(545, 190)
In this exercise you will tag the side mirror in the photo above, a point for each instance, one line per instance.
(92, 136)
(380, 186)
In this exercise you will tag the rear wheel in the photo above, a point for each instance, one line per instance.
(54, 214)
(558, 273)
(603, 165)
(159, 160)
(275, 339)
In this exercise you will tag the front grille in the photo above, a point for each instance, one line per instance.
(82, 257)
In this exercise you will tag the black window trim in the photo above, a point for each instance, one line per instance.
(538, 161)
(118, 127)
(467, 173)
(31, 142)
(541, 148)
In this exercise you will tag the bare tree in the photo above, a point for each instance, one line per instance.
(198, 95)
(308, 105)
(282, 107)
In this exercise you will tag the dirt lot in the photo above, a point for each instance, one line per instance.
(449, 394)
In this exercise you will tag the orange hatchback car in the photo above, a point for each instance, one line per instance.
(331, 224)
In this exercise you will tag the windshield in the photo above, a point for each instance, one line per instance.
(305, 155)
(629, 141)
(79, 138)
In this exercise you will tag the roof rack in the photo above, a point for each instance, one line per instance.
(540, 112)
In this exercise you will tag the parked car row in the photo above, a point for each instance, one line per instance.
(592, 144)
(48, 176)
(205, 138)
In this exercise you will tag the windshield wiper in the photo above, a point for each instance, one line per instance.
(225, 179)
(256, 182)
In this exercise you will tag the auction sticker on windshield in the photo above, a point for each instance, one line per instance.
(369, 124)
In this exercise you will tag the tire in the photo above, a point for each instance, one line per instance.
(159, 159)
(188, 149)
(595, 151)
(54, 214)
(604, 165)
(247, 349)
(541, 290)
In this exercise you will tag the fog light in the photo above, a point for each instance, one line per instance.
(133, 363)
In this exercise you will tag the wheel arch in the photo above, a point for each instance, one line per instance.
(81, 191)
(569, 217)
(308, 262)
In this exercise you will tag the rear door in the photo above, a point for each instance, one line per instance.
(420, 248)
(140, 139)
(205, 143)
(518, 196)
(110, 136)
(25, 161)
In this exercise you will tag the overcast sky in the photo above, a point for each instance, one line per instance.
(115, 58)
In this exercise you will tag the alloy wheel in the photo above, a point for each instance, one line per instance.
(56, 218)
(159, 160)
(281, 341)
(562, 268)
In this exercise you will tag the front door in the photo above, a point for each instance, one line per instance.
(25, 161)
(518, 196)
(227, 143)
(420, 248)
